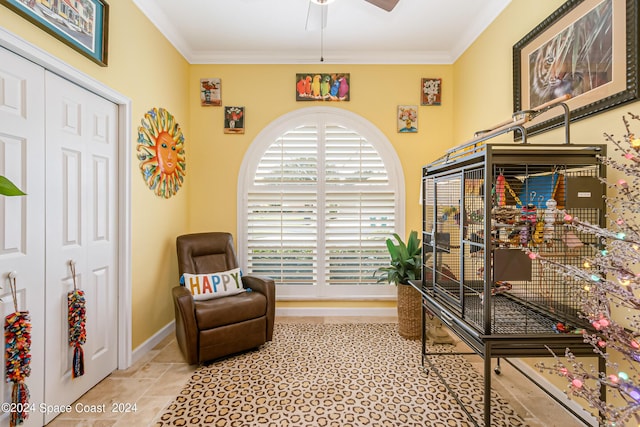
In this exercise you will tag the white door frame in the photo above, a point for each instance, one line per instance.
(35, 54)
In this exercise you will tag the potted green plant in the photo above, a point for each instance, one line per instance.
(405, 265)
(406, 260)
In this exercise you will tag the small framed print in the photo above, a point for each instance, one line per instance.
(234, 120)
(210, 92)
(407, 118)
(431, 92)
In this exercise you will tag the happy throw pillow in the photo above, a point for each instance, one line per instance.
(213, 285)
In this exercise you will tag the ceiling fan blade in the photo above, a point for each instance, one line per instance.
(316, 16)
(387, 5)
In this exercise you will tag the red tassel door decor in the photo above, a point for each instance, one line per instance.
(17, 339)
(77, 324)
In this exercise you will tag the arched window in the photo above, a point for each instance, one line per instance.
(320, 191)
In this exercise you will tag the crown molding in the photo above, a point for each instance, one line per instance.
(329, 56)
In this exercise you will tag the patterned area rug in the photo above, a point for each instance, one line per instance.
(342, 375)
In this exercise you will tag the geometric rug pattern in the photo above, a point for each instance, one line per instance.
(338, 375)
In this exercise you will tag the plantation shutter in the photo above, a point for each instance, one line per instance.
(319, 209)
(359, 208)
(282, 210)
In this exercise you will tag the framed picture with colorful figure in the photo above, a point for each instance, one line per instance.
(407, 118)
(83, 26)
(234, 120)
(323, 87)
(210, 92)
(431, 92)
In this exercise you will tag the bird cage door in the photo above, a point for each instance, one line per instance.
(447, 237)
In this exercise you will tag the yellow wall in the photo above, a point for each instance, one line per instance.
(146, 68)
(267, 92)
(483, 74)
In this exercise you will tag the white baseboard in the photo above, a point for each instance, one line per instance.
(336, 311)
(552, 390)
(153, 341)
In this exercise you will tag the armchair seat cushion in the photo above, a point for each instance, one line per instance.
(230, 310)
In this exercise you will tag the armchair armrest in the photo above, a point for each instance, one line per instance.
(267, 287)
(186, 326)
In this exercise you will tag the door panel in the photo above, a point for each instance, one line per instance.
(81, 223)
(71, 197)
(22, 218)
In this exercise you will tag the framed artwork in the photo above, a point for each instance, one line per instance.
(233, 119)
(323, 87)
(82, 25)
(210, 92)
(431, 92)
(587, 49)
(407, 118)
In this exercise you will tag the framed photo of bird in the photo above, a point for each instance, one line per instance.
(323, 87)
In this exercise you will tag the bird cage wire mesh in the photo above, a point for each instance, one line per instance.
(524, 209)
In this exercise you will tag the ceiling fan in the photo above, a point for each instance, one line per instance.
(387, 5)
(317, 15)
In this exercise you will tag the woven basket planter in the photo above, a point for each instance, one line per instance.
(409, 312)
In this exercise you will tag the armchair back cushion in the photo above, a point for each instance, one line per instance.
(204, 253)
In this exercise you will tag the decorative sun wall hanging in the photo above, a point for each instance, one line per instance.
(161, 152)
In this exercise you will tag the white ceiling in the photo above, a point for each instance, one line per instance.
(357, 32)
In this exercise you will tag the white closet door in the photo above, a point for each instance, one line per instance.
(22, 218)
(81, 226)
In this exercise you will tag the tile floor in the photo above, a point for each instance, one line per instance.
(155, 380)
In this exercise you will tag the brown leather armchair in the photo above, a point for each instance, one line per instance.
(210, 329)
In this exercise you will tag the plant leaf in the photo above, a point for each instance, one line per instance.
(393, 250)
(8, 188)
(404, 253)
(413, 243)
